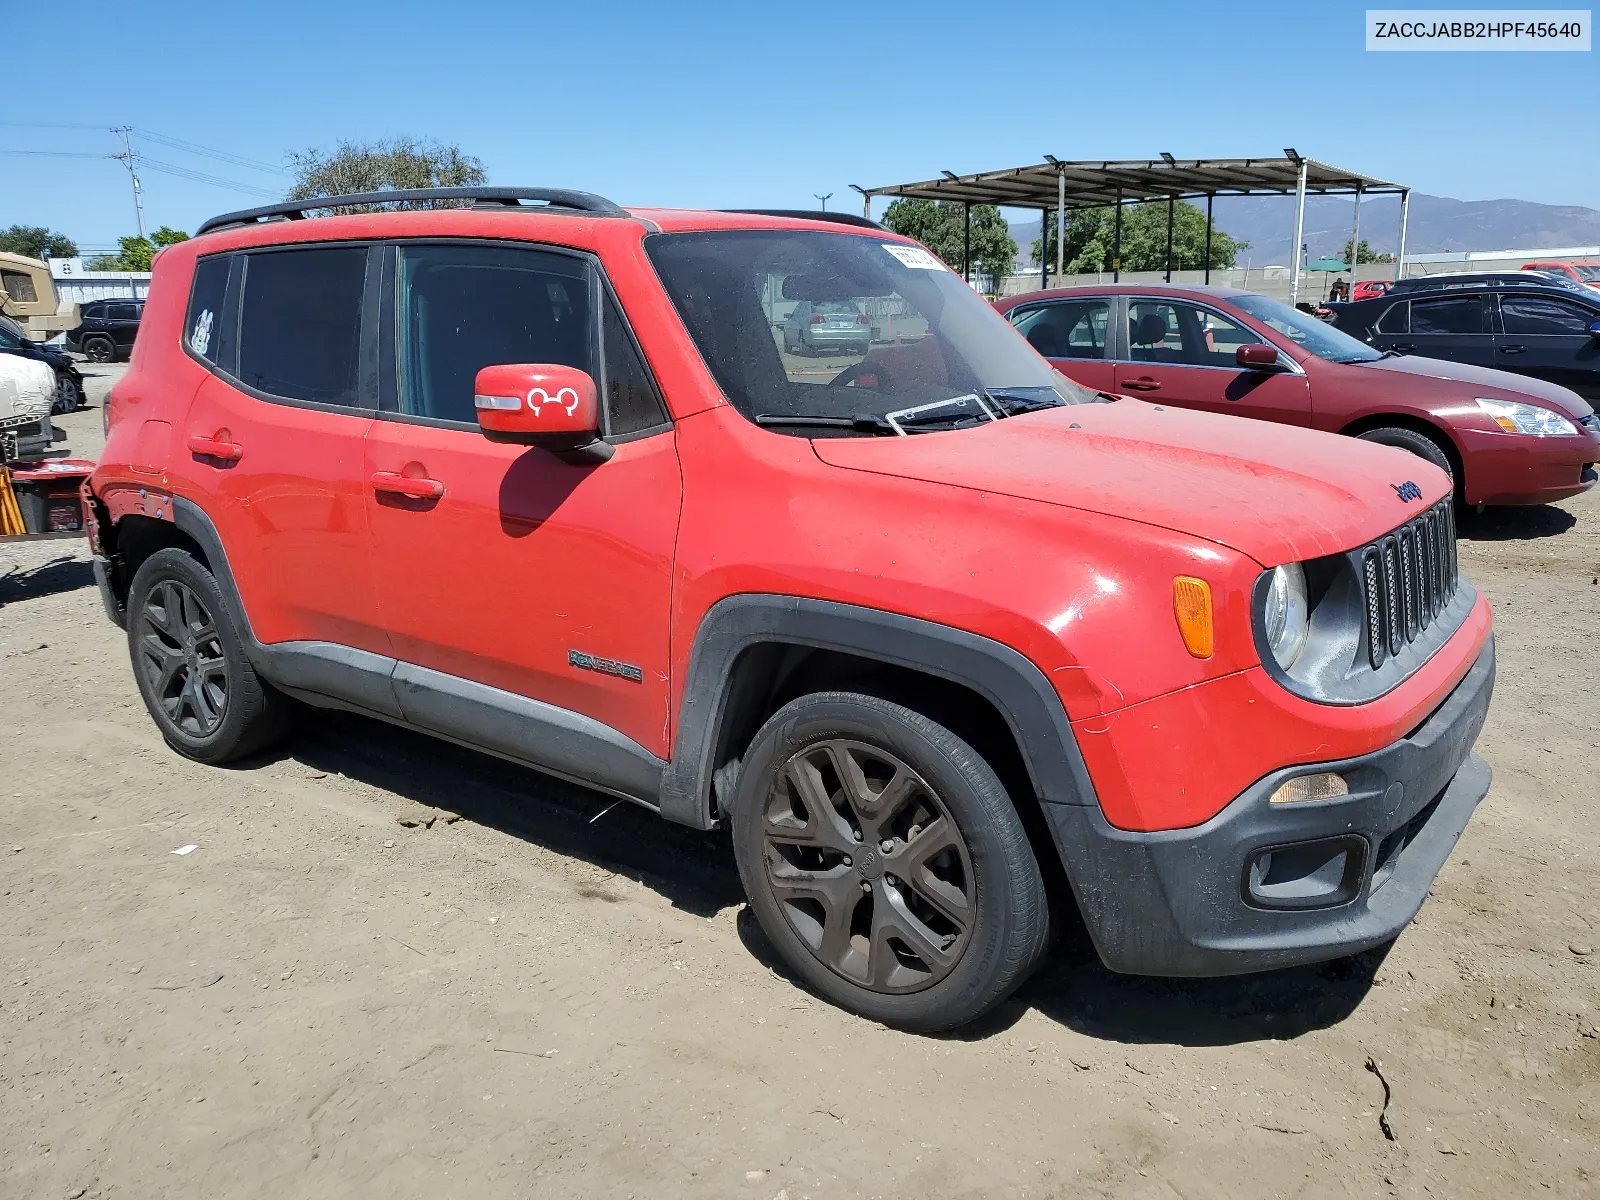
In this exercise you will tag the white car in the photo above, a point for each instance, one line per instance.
(27, 390)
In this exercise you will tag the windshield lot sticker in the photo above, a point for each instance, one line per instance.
(914, 257)
(201, 338)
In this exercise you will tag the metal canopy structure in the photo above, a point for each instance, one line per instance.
(1058, 186)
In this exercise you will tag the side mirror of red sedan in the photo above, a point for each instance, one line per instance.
(543, 404)
(1256, 357)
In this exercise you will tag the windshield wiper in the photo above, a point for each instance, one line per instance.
(863, 422)
(1014, 401)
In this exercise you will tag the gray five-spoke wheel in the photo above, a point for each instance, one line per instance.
(867, 866)
(182, 659)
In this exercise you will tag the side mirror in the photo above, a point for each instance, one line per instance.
(1594, 330)
(542, 404)
(1256, 356)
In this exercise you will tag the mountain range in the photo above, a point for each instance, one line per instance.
(1436, 224)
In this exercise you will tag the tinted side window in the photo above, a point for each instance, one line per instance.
(300, 323)
(123, 312)
(1394, 319)
(467, 307)
(632, 402)
(202, 331)
(1458, 314)
(1538, 314)
(1069, 329)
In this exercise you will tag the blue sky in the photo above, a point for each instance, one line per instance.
(729, 105)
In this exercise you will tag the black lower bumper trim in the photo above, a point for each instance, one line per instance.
(1204, 901)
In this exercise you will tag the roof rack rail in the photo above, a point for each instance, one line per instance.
(555, 199)
(838, 218)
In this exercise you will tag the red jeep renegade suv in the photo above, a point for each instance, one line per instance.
(932, 628)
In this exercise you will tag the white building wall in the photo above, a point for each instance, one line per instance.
(77, 285)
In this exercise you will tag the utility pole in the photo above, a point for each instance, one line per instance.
(824, 199)
(130, 160)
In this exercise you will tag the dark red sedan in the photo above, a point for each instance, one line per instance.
(1504, 438)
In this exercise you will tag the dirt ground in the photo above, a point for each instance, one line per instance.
(343, 989)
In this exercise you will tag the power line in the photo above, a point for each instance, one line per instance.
(208, 152)
(201, 177)
(57, 153)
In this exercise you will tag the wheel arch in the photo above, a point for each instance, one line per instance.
(754, 653)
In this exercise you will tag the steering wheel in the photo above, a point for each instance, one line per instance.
(873, 370)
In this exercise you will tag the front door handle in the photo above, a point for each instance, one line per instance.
(1513, 349)
(1142, 384)
(216, 447)
(1403, 347)
(405, 485)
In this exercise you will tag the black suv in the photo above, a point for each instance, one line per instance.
(107, 329)
(1544, 330)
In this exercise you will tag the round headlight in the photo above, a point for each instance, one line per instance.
(1287, 614)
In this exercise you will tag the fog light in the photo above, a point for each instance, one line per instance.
(1324, 786)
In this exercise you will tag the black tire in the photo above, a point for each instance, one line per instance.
(189, 662)
(894, 957)
(1416, 443)
(69, 396)
(99, 350)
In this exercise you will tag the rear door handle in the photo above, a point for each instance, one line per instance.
(1513, 349)
(210, 447)
(1143, 384)
(405, 485)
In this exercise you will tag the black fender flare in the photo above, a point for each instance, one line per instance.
(1016, 687)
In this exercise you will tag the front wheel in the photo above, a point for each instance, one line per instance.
(886, 863)
(69, 396)
(1413, 442)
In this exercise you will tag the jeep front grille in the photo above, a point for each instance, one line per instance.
(1408, 577)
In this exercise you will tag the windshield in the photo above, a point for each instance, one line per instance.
(1308, 331)
(837, 334)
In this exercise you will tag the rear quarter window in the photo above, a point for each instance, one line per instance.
(202, 326)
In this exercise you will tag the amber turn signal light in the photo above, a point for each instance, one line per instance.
(1191, 604)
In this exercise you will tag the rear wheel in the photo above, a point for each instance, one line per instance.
(198, 685)
(886, 863)
(99, 350)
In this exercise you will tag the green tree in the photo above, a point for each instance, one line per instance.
(1091, 236)
(135, 255)
(399, 162)
(31, 241)
(939, 225)
(1364, 253)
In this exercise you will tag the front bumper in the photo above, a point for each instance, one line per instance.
(1261, 886)
(1508, 469)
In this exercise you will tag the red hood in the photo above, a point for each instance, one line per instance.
(1482, 381)
(1274, 492)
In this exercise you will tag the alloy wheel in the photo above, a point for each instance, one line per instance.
(68, 396)
(182, 659)
(98, 351)
(867, 866)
